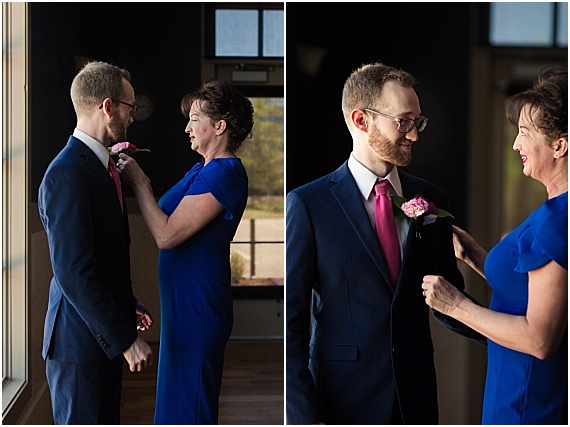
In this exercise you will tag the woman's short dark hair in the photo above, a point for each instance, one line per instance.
(549, 98)
(219, 100)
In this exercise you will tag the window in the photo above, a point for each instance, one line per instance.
(528, 24)
(244, 45)
(258, 248)
(245, 32)
(14, 205)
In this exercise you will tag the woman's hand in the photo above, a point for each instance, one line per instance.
(468, 250)
(441, 295)
(131, 172)
(462, 242)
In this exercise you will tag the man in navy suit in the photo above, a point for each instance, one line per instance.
(92, 317)
(359, 349)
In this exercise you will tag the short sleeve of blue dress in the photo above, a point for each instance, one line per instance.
(224, 178)
(545, 237)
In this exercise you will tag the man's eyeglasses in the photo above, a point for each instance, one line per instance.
(132, 108)
(405, 125)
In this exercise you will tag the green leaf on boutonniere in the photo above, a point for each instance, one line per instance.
(397, 205)
(441, 213)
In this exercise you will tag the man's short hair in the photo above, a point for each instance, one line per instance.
(94, 83)
(363, 88)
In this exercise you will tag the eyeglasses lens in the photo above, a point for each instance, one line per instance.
(421, 124)
(406, 125)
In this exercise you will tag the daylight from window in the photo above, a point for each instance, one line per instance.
(258, 247)
(238, 32)
(528, 24)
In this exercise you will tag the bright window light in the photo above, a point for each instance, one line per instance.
(237, 33)
(521, 24)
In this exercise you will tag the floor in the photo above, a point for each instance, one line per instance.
(252, 386)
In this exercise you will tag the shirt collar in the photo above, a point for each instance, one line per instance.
(365, 179)
(100, 151)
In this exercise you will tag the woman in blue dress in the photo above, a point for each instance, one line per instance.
(527, 321)
(193, 224)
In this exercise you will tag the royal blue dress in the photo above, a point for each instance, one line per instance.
(196, 299)
(521, 389)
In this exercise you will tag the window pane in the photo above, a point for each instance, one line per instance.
(237, 32)
(562, 25)
(258, 246)
(521, 24)
(273, 31)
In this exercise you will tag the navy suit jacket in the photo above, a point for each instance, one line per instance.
(356, 345)
(91, 313)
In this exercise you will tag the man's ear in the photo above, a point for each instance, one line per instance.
(358, 119)
(106, 106)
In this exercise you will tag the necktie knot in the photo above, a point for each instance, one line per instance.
(381, 187)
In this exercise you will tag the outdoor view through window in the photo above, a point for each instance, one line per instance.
(258, 249)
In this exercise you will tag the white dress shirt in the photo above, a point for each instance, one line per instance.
(100, 151)
(365, 181)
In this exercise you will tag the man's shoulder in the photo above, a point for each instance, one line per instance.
(314, 185)
(322, 182)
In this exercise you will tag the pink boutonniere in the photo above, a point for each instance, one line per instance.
(420, 210)
(124, 147)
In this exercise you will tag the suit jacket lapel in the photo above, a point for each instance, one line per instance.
(409, 189)
(93, 162)
(346, 192)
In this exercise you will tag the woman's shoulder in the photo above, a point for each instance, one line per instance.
(231, 168)
(551, 219)
(546, 236)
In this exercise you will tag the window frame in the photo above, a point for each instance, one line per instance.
(15, 196)
(261, 291)
(223, 67)
(210, 29)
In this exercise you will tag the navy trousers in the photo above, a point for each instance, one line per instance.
(85, 393)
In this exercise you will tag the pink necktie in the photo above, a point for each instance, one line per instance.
(115, 175)
(386, 230)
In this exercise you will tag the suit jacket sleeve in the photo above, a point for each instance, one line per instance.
(68, 214)
(301, 402)
(450, 271)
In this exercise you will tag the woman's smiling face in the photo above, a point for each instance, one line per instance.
(534, 148)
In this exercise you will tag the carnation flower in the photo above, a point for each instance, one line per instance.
(420, 210)
(124, 147)
(417, 207)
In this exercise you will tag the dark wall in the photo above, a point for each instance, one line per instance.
(430, 40)
(159, 43)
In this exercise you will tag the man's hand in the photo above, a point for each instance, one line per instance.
(138, 355)
(144, 318)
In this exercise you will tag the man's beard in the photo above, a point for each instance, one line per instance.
(388, 150)
(117, 130)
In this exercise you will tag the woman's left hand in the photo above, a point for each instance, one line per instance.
(441, 295)
(131, 172)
